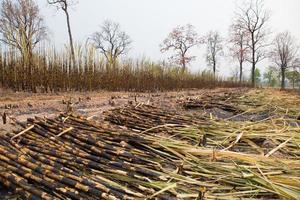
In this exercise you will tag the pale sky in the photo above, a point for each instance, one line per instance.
(148, 22)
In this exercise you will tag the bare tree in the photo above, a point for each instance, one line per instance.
(111, 41)
(22, 27)
(64, 5)
(239, 50)
(253, 18)
(214, 49)
(284, 53)
(181, 40)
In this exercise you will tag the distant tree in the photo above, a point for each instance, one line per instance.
(22, 27)
(294, 74)
(214, 49)
(238, 40)
(293, 77)
(111, 41)
(252, 17)
(271, 76)
(283, 53)
(64, 6)
(181, 40)
(257, 76)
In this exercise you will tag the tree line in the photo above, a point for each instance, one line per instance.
(248, 41)
(28, 63)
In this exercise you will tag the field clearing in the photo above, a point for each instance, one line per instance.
(21, 105)
(197, 144)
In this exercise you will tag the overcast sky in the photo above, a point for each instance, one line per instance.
(149, 21)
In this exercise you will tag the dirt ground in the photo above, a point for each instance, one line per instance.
(21, 106)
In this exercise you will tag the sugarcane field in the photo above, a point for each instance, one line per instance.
(198, 144)
(149, 100)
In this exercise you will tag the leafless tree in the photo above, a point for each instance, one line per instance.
(111, 41)
(214, 49)
(253, 18)
(283, 53)
(238, 39)
(22, 27)
(181, 40)
(64, 6)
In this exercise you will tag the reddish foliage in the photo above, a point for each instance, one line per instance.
(180, 40)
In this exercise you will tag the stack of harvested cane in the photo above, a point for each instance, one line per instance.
(253, 105)
(222, 100)
(245, 136)
(143, 117)
(154, 154)
(199, 103)
(232, 159)
(72, 158)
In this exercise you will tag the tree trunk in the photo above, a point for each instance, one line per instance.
(282, 78)
(183, 64)
(241, 59)
(1, 71)
(241, 71)
(31, 71)
(253, 60)
(71, 38)
(23, 72)
(214, 69)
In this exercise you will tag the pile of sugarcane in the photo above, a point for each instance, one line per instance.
(145, 152)
(282, 104)
(200, 103)
(252, 105)
(222, 100)
(243, 159)
(72, 158)
(143, 117)
(246, 136)
(270, 122)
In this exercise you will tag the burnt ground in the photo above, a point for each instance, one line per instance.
(219, 103)
(20, 106)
